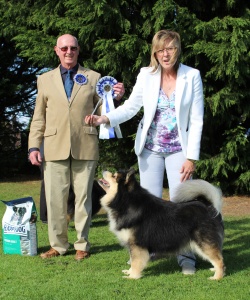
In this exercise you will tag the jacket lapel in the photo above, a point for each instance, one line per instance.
(57, 81)
(180, 87)
(76, 86)
(153, 87)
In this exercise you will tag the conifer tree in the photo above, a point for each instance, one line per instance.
(115, 38)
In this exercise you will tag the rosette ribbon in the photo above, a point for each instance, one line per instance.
(104, 89)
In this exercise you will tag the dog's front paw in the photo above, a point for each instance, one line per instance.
(127, 272)
(131, 274)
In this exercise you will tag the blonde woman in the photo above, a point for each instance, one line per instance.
(169, 134)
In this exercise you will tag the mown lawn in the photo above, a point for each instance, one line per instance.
(100, 277)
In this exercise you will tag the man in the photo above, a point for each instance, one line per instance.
(70, 146)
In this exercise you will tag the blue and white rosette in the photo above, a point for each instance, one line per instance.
(104, 89)
(80, 79)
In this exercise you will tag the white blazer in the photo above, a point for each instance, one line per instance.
(189, 106)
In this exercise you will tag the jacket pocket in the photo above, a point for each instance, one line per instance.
(50, 132)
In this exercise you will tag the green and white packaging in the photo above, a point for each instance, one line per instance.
(19, 227)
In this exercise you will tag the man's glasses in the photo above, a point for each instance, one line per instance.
(65, 48)
(169, 50)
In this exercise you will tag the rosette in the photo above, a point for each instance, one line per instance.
(104, 85)
(104, 89)
(80, 79)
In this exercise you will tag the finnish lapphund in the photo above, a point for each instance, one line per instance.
(147, 224)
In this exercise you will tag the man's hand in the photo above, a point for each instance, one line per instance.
(35, 158)
(95, 120)
(119, 90)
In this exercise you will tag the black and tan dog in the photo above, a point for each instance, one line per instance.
(146, 224)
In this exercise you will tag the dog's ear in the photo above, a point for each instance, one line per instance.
(130, 172)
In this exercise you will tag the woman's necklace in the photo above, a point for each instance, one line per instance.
(168, 86)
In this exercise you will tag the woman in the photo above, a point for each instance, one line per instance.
(169, 134)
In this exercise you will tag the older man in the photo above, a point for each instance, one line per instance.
(70, 146)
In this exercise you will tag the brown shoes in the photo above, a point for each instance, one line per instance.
(80, 255)
(51, 253)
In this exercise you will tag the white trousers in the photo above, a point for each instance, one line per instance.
(152, 166)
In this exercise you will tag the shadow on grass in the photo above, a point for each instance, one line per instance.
(167, 265)
(236, 245)
(99, 220)
(22, 177)
(94, 249)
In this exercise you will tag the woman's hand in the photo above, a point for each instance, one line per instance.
(187, 170)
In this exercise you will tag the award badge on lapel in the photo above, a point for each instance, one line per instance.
(80, 79)
(104, 89)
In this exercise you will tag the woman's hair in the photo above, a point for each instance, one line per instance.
(160, 39)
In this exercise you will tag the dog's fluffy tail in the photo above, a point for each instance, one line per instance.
(191, 189)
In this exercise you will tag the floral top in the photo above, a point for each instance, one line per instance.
(163, 133)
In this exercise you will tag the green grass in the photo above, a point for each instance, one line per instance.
(100, 277)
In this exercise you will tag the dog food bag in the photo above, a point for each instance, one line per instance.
(19, 227)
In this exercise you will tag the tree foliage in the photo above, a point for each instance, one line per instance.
(115, 38)
(17, 91)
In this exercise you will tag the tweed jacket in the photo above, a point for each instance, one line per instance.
(189, 107)
(60, 123)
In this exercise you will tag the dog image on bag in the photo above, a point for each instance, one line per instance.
(18, 214)
(147, 224)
